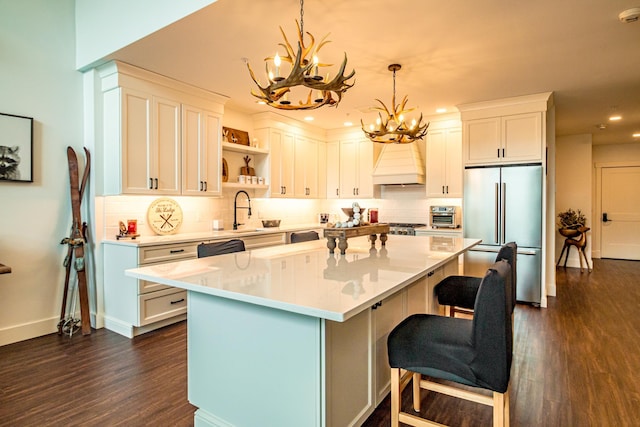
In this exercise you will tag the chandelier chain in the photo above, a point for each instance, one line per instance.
(301, 16)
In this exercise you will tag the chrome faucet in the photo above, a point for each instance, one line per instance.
(235, 208)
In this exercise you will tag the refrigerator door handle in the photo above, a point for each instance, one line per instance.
(496, 214)
(503, 213)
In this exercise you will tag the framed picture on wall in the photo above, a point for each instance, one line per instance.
(16, 148)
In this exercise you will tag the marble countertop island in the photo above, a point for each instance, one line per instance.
(292, 335)
(306, 279)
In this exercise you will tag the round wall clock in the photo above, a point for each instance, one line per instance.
(164, 216)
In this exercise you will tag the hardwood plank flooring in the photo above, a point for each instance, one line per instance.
(575, 364)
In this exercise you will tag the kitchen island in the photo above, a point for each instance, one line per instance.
(292, 335)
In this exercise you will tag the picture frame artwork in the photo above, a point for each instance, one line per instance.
(16, 148)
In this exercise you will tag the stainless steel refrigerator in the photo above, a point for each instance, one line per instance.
(504, 204)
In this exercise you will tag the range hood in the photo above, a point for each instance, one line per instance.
(399, 164)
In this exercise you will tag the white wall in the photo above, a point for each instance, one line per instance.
(574, 185)
(102, 27)
(37, 79)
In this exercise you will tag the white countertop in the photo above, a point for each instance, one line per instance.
(209, 235)
(305, 278)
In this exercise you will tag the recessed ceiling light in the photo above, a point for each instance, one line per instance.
(441, 110)
(601, 126)
(309, 119)
(615, 118)
(636, 135)
(348, 124)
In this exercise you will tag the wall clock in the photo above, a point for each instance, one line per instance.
(164, 216)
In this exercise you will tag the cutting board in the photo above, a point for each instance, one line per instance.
(247, 170)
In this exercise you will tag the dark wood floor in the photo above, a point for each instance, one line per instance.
(576, 363)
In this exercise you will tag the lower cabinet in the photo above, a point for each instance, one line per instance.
(356, 361)
(133, 307)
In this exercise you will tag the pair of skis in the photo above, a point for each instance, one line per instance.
(75, 253)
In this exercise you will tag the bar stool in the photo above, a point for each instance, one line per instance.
(580, 243)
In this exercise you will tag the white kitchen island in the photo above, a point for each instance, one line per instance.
(294, 336)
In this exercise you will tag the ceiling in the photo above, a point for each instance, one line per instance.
(452, 52)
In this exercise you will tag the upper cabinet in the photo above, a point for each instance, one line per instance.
(444, 162)
(505, 131)
(515, 138)
(201, 153)
(332, 150)
(296, 157)
(159, 136)
(356, 166)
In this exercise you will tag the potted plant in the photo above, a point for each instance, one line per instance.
(570, 221)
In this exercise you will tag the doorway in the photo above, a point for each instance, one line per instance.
(619, 212)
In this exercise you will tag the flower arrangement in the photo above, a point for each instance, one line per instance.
(571, 219)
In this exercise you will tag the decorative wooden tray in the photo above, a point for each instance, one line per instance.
(342, 234)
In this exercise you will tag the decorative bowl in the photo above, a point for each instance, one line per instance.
(569, 232)
(268, 223)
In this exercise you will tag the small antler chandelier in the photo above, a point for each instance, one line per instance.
(304, 73)
(393, 128)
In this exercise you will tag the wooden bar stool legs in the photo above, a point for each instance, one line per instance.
(580, 244)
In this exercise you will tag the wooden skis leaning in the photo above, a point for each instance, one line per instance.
(75, 252)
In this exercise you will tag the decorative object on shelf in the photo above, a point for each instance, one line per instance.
(304, 75)
(225, 170)
(393, 128)
(570, 221)
(247, 170)
(164, 216)
(235, 136)
(16, 148)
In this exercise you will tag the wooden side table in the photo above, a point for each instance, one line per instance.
(578, 239)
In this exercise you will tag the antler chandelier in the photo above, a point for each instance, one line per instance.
(304, 73)
(393, 128)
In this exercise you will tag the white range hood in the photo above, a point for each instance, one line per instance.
(399, 164)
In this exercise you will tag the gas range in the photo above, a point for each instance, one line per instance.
(407, 229)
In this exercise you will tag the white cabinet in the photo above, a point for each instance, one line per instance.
(145, 119)
(150, 138)
(282, 162)
(356, 359)
(356, 165)
(444, 163)
(513, 138)
(131, 306)
(201, 152)
(333, 170)
(306, 167)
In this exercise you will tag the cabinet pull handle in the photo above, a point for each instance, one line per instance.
(177, 301)
(156, 186)
(337, 191)
(443, 189)
(176, 251)
(150, 183)
(498, 152)
(376, 305)
(503, 152)
(447, 189)
(206, 185)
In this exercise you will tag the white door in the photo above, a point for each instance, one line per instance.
(621, 213)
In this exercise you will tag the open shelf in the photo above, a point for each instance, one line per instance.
(238, 148)
(244, 186)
